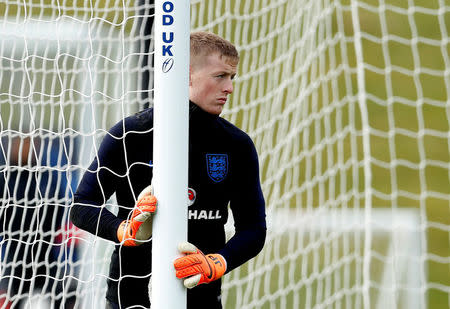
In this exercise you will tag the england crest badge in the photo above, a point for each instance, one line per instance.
(217, 166)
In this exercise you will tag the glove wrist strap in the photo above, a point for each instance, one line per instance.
(220, 265)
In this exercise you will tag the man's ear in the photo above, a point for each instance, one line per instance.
(190, 76)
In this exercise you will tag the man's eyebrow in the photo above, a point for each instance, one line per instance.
(222, 71)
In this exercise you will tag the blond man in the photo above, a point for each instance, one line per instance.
(223, 171)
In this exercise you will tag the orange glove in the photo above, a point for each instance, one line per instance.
(139, 228)
(197, 267)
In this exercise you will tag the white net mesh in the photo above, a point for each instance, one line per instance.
(346, 101)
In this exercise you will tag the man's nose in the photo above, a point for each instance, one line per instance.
(228, 86)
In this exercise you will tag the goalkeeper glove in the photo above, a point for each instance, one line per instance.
(139, 228)
(198, 268)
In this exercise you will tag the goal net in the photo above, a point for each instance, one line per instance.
(346, 101)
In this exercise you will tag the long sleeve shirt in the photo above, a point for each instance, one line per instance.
(223, 170)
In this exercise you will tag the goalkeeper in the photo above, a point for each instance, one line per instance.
(223, 170)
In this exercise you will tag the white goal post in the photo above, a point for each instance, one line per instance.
(347, 102)
(170, 150)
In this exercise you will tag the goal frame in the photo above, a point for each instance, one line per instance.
(170, 149)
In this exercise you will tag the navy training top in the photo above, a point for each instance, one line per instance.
(223, 169)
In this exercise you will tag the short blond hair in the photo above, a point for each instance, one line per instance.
(206, 43)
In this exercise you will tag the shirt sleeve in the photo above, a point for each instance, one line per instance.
(99, 182)
(248, 207)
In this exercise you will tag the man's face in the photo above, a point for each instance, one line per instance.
(211, 81)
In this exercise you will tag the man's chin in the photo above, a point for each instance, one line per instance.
(216, 110)
(213, 110)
